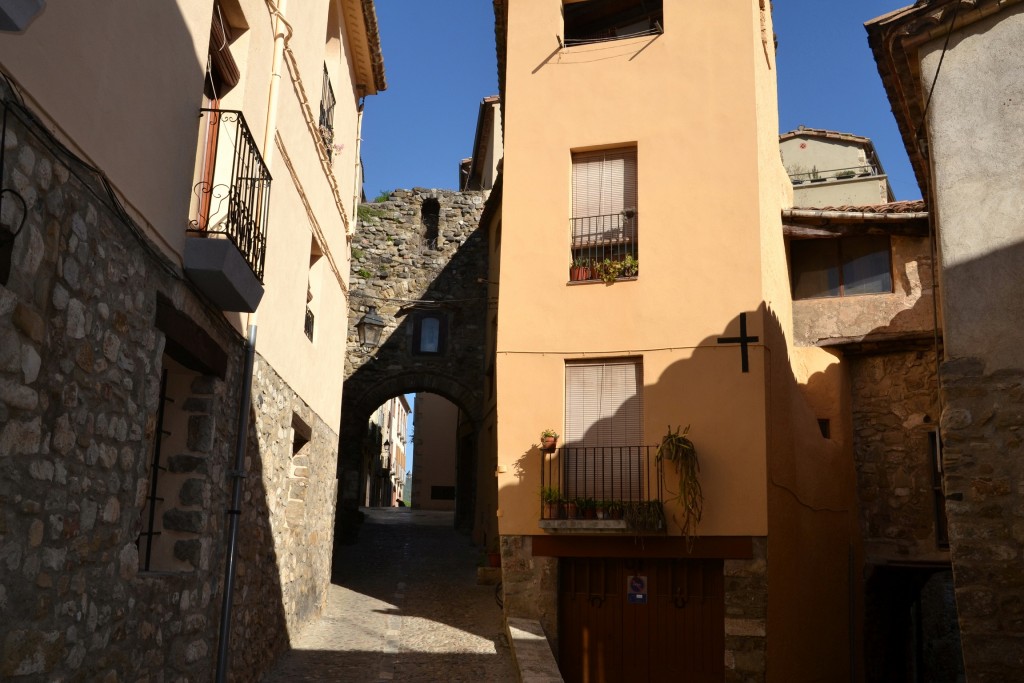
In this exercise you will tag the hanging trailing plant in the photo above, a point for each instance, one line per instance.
(676, 448)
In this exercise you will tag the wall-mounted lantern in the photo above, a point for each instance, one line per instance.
(369, 328)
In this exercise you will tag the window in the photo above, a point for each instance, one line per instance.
(604, 429)
(314, 286)
(327, 103)
(429, 334)
(588, 21)
(844, 266)
(604, 214)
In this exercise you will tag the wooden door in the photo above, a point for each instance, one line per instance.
(641, 620)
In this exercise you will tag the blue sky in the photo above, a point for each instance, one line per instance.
(439, 59)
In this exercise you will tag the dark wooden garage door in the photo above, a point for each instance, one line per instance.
(611, 631)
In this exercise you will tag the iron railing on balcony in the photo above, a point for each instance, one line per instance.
(309, 323)
(327, 103)
(623, 475)
(816, 176)
(604, 247)
(234, 187)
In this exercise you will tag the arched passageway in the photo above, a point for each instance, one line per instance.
(434, 304)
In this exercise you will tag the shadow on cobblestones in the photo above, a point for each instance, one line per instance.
(404, 605)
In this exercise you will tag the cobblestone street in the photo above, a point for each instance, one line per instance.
(403, 606)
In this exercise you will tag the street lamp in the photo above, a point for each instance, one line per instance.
(369, 328)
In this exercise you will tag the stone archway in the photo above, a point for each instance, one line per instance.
(431, 296)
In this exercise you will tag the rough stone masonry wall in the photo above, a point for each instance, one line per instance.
(397, 261)
(895, 408)
(80, 365)
(983, 460)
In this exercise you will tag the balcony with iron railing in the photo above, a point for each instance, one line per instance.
(602, 489)
(847, 173)
(228, 234)
(604, 247)
(326, 124)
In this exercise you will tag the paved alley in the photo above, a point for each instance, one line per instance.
(403, 606)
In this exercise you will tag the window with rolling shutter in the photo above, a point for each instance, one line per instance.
(604, 429)
(604, 212)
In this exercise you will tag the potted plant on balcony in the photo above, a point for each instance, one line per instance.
(630, 266)
(608, 270)
(572, 508)
(602, 509)
(614, 509)
(579, 269)
(677, 449)
(588, 508)
(551, 499)
(549, 440)
(646, 515)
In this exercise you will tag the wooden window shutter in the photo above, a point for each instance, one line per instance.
(604, 187)
(604, 404)
(224, 72)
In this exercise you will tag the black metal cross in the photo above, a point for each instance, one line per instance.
(742, 340)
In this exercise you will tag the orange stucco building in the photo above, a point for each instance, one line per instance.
(639, 290)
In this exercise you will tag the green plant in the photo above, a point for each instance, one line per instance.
(364, 273)
(848, 173)
(357, 253)
(366, 212)
(550, 495)
(382, 196)
(645, 516)
(581, 262)
(608, 270)
(630, 266)
(677, 448)
(548, 434)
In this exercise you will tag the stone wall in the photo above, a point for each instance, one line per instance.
(895, 410)
(80, 367)
(983, 461)
(746, 616)
(419, 253)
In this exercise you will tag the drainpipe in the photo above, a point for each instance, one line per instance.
(357, 180)
(237, 474)
(280, 28)
(245, 396)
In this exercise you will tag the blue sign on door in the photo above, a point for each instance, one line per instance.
(636, 590)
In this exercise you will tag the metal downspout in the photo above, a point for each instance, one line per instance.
(237, 474)
(245, 398)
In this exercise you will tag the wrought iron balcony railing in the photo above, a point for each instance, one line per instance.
(612, 477)
(327, 103)
(604, 247)
(234, 187)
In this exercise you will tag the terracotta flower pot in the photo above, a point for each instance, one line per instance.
(549, 444)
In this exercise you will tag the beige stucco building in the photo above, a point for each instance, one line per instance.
(176, 176)
(829, 168)
(951, 72)
(385, 469)
(436, 421)
(637, 292)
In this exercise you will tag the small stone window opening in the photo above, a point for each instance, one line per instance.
(430, 334)
(298, 478)
(826, 428)
(938, 496)
(430, 216)
(173, 516)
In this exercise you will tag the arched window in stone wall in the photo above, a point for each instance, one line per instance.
(430, 215)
